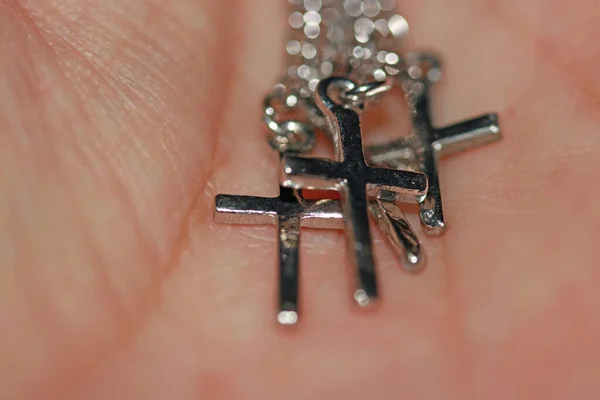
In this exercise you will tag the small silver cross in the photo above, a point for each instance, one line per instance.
(428, 144)
(350, 174)
(289, 212)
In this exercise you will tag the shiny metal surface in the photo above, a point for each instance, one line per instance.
(350, 174)
(289, 135)
(288, 212)
(356, 42)
(360, 39)
(422, 149)
(395, 227)
(360, 95)
(355, 38)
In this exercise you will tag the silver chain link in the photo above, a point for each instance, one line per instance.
(356, 38)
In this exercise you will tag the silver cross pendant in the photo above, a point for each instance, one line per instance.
(289, 212)
(427, 144)
(350, 175)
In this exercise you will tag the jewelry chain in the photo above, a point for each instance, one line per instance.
(356, 38)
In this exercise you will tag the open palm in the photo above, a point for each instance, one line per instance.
(121, 120)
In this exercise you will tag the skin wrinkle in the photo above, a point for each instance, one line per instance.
(194, 214)
(150, 301)
(40, 157)
(103, 277)
(140, 234)
(101, 70)
(217, 126)
(115, 57)
(95, 91)
(117, 187)
(142, 98)
(32, 278)
(202, 185)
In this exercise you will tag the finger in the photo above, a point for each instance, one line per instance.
(111, 114)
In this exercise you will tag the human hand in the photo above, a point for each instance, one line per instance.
(121, 120)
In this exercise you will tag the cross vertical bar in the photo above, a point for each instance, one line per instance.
(289, 243)
(430, 210)
(358, 235)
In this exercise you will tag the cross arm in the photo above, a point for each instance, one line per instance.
(468, 134)
(245, 210)
(322, 214)
(398, 154)
(408, 186)
(309, 173)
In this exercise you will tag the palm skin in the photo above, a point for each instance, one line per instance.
(119, 123)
